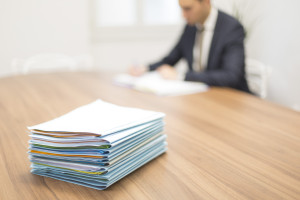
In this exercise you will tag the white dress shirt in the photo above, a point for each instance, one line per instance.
(209, 27)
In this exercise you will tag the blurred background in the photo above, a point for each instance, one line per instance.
(115, 34)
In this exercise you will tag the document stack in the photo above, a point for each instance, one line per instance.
(97, 144)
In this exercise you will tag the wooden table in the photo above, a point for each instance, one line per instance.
(222, 144)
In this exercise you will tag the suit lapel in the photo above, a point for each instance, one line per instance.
(190, 46)
(216, 36)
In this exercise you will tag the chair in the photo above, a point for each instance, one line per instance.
(43, 63)
(257, 77)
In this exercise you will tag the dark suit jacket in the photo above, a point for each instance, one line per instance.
(226, 61)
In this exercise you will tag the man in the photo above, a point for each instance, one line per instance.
(212, 43)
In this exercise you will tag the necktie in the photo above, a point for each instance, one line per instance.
(197, 66)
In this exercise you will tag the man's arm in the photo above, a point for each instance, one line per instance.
(173, 57)
(232, 66)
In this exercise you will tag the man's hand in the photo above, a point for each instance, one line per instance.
(137, 70)
(168, 72)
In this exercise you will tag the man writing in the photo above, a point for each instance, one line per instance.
(212, 43)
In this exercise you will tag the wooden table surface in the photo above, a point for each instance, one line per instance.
(222, 144)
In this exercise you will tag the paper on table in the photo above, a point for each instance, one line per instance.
(153, 83)
(148, 144)
(100, 118)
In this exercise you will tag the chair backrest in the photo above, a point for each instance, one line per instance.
(43, 63)
(257, 75)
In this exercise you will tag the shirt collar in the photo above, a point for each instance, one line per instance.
(210, 22)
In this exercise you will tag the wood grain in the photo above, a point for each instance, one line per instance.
(222, 144)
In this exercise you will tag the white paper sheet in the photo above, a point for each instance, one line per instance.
(152, 82)
(100, 118)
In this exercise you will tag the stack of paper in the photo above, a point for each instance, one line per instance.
(152, 82)
(97, 144)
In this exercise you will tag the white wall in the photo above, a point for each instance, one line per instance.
(281, 51)
(42, 26)
(118, 56)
